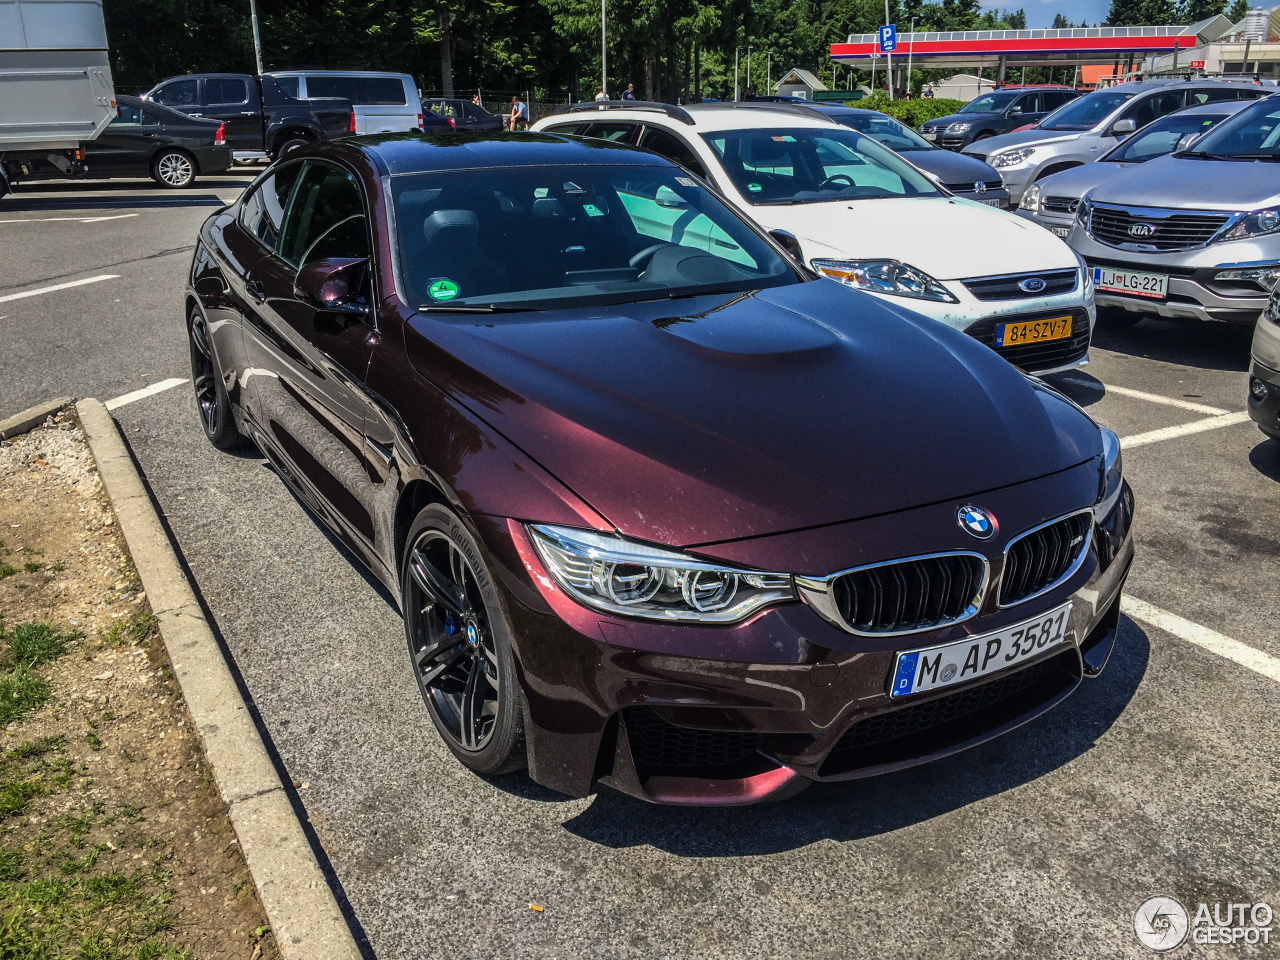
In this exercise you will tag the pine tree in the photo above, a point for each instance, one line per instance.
(1126, 13)
(1193, 11)
(1239, 10)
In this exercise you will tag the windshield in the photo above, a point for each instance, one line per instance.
(990, 103)
(541, 237)
(1252, 134)
(885, 130)
(1086, 112)
(806, 165)
(1174, 132)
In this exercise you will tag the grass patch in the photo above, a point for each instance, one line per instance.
(6, 570)
(35, 642)
(133, 631)
(20, 693)
(32, 566)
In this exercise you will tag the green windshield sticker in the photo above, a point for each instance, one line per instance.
(442, 290)
(592, 210)
(754, 187)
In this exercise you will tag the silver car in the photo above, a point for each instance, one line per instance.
(1264, 371)
(1193, 235)
(1087, 128)
(1052, 200)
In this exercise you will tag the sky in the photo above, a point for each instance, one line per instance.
(1040, 12)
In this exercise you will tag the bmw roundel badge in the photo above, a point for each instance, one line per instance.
(976, 522)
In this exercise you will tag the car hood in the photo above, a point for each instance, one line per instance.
(1078, 180)
(948, 238)
(993, 145)
(951, 167)
(1194, 184)
(731, 416)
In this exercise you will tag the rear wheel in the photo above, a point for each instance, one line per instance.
(211, 396)
(459, 645)
(290, 143)
(174, 169)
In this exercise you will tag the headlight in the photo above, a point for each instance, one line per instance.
(1031, 199)
(635, 580)
(1112, 471)
(1256, 224)
(1263, 276)
(1086, 277)
(1272, 312)
(885, 276)
(1010, 157)
(962, 127)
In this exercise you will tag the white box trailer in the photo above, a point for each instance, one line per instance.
(55, 80)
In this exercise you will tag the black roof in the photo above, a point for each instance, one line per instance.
(414, 152)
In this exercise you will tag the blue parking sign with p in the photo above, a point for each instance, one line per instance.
(888, 38)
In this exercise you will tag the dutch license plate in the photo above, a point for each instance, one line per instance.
(1032, 331)
(933, 668)
(1062, 232)
(1153, 285)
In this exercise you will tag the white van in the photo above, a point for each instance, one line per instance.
(383, 102)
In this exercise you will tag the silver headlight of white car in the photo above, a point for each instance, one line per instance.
(1260, 223)
(1031, 199)
(1010, 158)
(885, 276)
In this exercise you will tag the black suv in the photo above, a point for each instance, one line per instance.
(1000, 111)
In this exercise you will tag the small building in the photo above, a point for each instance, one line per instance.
(1248, 48)
(799, 83)
(963, 86)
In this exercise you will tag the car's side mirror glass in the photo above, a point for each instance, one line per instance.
(333, 287)
(1015, 109)
(1123, 127)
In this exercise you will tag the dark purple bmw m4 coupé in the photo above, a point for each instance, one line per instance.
(663, 510)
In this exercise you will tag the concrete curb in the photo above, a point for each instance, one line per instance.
(304, 915)
(24, 421)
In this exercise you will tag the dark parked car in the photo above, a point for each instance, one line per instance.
(144, 140)
(261, 118)
(663, 510)
(462, 115)
(994, 113)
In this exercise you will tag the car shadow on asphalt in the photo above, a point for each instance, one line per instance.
(1265, 458)
(46, 204)
(858, 809)
(1209, 346)
(1078, 386)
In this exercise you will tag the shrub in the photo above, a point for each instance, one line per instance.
(911, 112)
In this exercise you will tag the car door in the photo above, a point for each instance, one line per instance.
(308, 394)
(230, 100)
(123, 148)
(1026, 109)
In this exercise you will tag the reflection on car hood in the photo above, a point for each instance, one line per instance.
(1077, 181)
(1034, 137)
(724, 417)
(951, 167)
(926, 232)
(1195, 184)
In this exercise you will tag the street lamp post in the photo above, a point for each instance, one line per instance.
(888, 54)
(911, 49)
(257, 42)
(735, 75)
(604, 50)
(748, 72)
(768, 72)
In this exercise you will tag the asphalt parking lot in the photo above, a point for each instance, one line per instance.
(1160, 777)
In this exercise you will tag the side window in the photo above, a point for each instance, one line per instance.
(382, 91)
(225, 90)
(673, 148)
(614, 132)
(345, 87)
(263, 211)
(1154, 107)
(1030, 103)
(569, 129)
(150, 118)
(127, 114)
(180, 93)
(326, 217)
(289, 85)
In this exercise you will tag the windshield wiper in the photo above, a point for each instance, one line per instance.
(1202, 155)
(1255, 156)
(471, 308)
(780, 203)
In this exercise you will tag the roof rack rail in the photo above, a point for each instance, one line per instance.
(802, 109)
(674, 112)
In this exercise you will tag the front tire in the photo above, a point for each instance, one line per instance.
(459, 644)
(174, 169)
(216, 416)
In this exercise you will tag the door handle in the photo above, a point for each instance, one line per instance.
(247, 113)
(195, 114)
(255, 291)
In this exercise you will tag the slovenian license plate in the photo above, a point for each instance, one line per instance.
(1153, 285)
(1032, 331)
(933, 668)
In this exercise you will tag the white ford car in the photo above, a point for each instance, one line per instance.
(859, 213)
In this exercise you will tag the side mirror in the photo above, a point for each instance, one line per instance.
(331, 285)
(1015, 110)
(788, 242)
(1122, 127)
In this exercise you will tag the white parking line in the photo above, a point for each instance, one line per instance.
(118, 216)
(1210, 640)
(1167, 401)
(145, 392)
(1183, 429)
(58, 286)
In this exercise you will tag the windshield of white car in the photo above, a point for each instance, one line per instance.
(1086, 112)
(808, 165)
(1252, 134)
(541, 237)
(991, 103)
(885, 130)
(1174, 132)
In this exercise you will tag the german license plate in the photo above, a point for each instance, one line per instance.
(1032, 331)
(1153, 285)
(1062, 232)
(933, 668)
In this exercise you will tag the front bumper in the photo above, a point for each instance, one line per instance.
(1059, 226)
(731, 715)
(1264, 369)
(1193, 291)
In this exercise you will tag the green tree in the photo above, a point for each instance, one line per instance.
(1239, 10)
(1193, 11)
(1125, 13)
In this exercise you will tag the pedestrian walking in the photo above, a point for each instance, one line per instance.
(630, 92)
(601, 95)
(519, 115)
(928, 91)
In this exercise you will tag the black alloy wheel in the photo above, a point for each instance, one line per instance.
(211, 396)
(458, 645)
